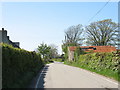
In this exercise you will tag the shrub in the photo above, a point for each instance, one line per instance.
(18, 66)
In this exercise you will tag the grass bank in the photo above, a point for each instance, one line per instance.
(106, 64)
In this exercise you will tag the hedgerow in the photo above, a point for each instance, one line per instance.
(19, 66)
(100, 61)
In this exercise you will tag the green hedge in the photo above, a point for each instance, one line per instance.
(18, 66)
(100, 61)
(103, 63)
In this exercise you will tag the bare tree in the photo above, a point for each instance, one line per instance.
(73, 35)
(103, 32)
(53, 50)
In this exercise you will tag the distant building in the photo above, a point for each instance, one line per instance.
(5, 39)
(71, 50)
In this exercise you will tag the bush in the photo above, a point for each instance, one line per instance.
(78, 52)
(18, 66)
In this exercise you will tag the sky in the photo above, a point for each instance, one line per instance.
(32, 23)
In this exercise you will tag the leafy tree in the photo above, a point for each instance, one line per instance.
(102, 33)
(44, 50)
(47, 51)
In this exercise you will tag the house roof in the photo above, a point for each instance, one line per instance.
(97, 48)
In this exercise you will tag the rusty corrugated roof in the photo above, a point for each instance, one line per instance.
(98, 48)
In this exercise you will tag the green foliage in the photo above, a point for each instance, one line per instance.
(65, 49)
(78, 52)
(103, 63)
(100, 61)
(57, 59)
(18, 66)
(44, 50)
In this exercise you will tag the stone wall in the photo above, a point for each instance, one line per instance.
(70, 54)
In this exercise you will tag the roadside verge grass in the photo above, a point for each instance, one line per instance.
(106, 64)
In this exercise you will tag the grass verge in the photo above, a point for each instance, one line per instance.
(105, 72)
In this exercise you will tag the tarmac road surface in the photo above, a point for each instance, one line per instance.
(58, 75)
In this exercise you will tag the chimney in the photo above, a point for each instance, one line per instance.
(2, 29)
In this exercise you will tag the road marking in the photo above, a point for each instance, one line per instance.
(39, 78)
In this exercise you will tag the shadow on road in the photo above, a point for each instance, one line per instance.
(41, 77)
(38, 81)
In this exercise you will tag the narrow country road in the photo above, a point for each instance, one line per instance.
(58, 75)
